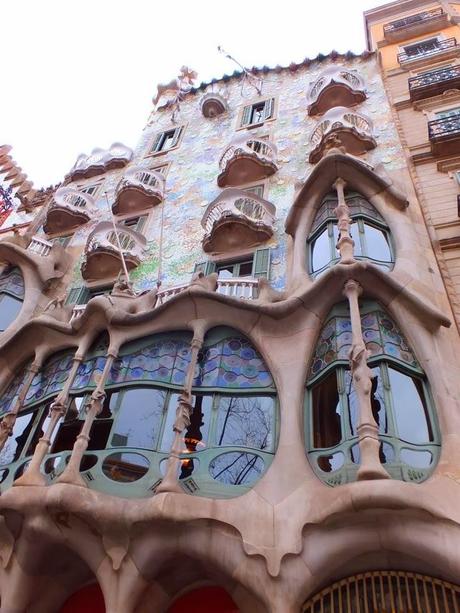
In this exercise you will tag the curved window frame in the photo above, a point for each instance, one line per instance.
(200, 460)
(8, 292)
(347, 446)
(329, 225)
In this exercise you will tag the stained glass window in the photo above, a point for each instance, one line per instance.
(162, 360)
(232, 363)
(50, 379)
(12, 282)
(381, 335)
(8, 398)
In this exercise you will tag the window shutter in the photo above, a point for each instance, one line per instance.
(205, 267)
(269, 106)
(261, 264)
(140, 223)
(78, 295)
(246, 115)
(156, 141)
(175, 138)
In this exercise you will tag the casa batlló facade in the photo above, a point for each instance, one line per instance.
(229, 364)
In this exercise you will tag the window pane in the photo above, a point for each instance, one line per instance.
(245, 421)
(378, 402)
(237, 468)
(9, 310)
(15, 443)
(327, 427)
(377, 244)
(196, 436)
(321, 252)
(245, 269)
(139, 418)
(410, 409)
(352, 403)
(354, 232)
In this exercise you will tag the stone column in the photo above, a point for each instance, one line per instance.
(71, 473)
(183, 413)
(32, 475)
(8, 421)
(345, 243)
(368, 432)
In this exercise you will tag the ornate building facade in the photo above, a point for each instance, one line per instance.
(228, 356)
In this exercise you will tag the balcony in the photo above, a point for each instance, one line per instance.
(102, 252)
(139, 189)
(212, 105)
(336, 86)
(444, 135)
(246, 288)
(426, 50)
(434, 83)
(341, 126)
(99, 161)
(237, 219)
(247, 159)
(68, 210)
(40, 246)
(415, 25)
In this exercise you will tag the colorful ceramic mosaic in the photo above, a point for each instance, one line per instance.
(50, 380)
(380, 333)
(12, 282)
(233, 363)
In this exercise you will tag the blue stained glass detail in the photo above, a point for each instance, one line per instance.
(12, 282)
(233, 363)
(380, 333)
(50, 380)
(8, 398)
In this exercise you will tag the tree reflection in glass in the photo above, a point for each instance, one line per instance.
(245, 422)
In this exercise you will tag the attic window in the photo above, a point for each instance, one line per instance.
(255, 114)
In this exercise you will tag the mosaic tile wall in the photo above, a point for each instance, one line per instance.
(191, 182)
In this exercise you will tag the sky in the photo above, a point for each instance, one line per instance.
(79, 75)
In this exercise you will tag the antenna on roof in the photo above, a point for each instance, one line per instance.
(248, 76)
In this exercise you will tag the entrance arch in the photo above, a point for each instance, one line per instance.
(210, 599)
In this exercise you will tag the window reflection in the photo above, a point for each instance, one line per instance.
(245, 421)
(139, 417)
(9, 310)
(410, 408)
(327, 429)
(237, 468)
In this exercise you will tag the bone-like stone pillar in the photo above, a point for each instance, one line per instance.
(32, 475)
(183, 413)
(8, 421)
(368, 432)
(345, 243)
(71, 473)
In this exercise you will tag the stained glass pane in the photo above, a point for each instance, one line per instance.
(232, 364)
(163, 360)
(50, 380)
(9, 310)
(89, 373)
(8, 398)
(13, 283)
(380, 333)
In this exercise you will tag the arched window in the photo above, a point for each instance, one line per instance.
(368, 230)
(227, 446)
(401, 403)
(11, 296)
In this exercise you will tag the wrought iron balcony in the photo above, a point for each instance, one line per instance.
(426, 50)
(68, 210)
(413, 25)
(237, 219)
(444, 135)
(140, 188)
(247, 159)
(342, 126)
(336, 86)
(102, 252)
(435, 82)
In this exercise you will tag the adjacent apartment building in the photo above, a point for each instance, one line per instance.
(229, 357)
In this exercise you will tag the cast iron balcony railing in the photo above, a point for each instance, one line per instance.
(102, 251)
(248, 158)
(420, 23)
(246, 288)
(40, 246)
(140, 188)
(434, 82)
(336, 86)
(353, 130)
(444, 135)
(237, 219)
(440, 46)
(68, 210)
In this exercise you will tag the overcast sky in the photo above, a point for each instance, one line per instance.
(79, 75)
